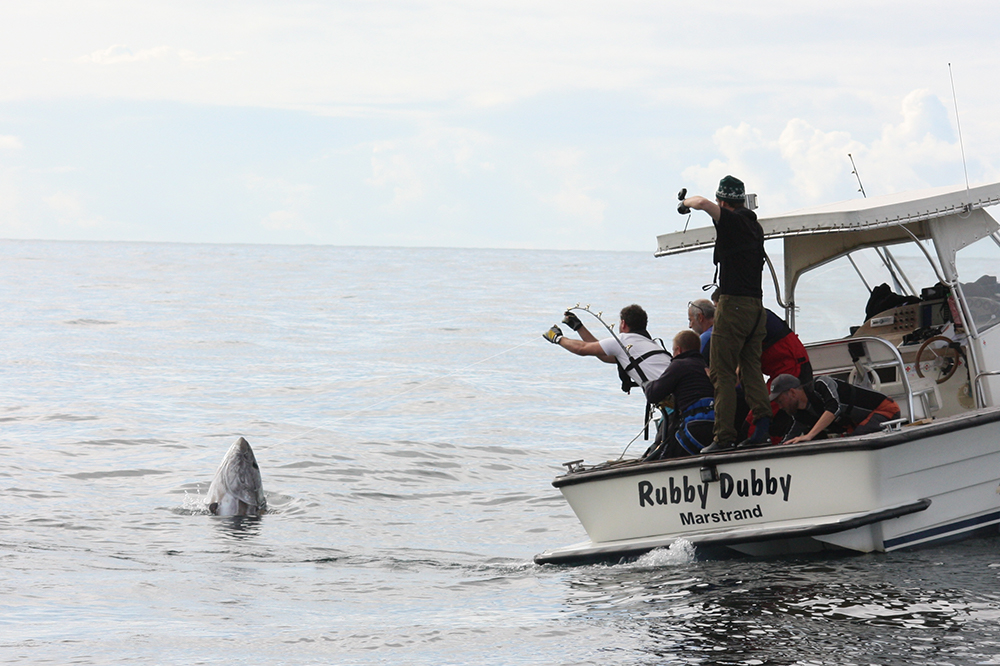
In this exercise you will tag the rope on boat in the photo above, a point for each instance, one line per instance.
(644, 426)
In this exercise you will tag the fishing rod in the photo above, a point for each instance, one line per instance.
(858, 175)
(597, 315)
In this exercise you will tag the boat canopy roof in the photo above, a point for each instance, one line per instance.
(814, 236)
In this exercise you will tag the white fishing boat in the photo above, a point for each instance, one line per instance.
(931, 476)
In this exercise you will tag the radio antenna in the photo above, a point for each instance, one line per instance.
(858, 176)
(959, 123)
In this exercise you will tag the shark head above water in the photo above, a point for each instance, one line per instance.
(236, 489)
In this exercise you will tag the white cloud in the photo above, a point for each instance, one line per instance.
(431, 117)
(413, 169)
(465, 145)
(573, 199)
(70, 211)
(10, 201)
(286, 190)
(292, 197)
(285, 220)
(816, 158)
(736, 144)
(194, 58)
(920, 143)
(120, 53)
(10, 142)
(468, 53)
(393, 171)
(65, 203)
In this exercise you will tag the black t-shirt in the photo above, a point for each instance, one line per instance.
(739, 252)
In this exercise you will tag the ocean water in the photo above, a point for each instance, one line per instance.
(408, 419)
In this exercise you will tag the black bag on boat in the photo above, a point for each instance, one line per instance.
(883, 298)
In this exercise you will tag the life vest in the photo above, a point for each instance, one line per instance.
(702, 410)
(635, 364)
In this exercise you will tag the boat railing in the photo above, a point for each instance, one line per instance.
(874, 362)
(980, 398)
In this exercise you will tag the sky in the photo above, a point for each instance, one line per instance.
(480, 123)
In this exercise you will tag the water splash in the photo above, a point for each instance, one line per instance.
(680, 551)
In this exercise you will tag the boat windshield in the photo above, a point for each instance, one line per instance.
(832, 298)
(978, 267)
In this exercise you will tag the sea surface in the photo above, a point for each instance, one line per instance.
(408, 419)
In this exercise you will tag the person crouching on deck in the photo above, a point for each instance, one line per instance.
(830, 406)
(692, 421)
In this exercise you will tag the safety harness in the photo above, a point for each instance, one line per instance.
(701, 410)
(636, 364)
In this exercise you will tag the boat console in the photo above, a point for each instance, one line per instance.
(908, 322)
(914, 353)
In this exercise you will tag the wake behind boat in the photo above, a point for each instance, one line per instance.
(932, 475)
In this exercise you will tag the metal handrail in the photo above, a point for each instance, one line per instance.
(980, 397)
(896, 361)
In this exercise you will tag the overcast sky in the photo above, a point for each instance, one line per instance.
(474, 123)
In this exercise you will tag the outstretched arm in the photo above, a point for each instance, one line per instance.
(586, 335)
(701, 203)
(585, 348)
(588, 346)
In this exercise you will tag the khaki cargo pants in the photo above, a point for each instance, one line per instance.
(737, 336)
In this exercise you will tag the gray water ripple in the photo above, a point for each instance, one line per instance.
(113, 474)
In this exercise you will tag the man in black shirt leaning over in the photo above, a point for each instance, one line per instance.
(827, 405)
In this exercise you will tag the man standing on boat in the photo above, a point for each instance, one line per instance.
(828, 405)
(639, 359)
(740, 320)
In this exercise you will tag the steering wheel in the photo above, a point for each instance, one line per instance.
(948, 352)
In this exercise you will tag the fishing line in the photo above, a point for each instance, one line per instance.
(645, 425)
(409, 390)
(958, 123)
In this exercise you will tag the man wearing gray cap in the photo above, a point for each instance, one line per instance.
(830, 406)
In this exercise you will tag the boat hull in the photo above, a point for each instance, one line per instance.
(879, 492)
